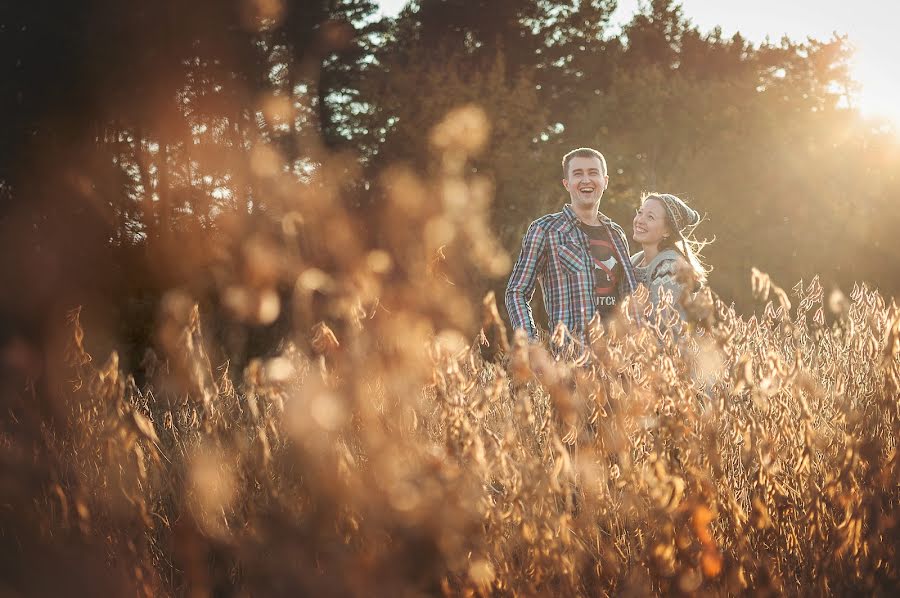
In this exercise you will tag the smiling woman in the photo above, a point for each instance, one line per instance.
(669, 263)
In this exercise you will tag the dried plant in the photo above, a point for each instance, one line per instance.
(394, 449)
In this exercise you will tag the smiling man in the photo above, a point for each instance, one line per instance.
(579, 256)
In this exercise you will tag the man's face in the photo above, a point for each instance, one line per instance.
(586, 181)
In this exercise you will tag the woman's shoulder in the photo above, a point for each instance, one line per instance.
(666, 256)
(667, 262)
(669, 254)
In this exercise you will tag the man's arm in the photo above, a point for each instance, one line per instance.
(520, 289)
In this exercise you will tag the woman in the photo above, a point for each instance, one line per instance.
(670, 260)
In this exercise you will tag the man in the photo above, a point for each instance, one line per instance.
(579, 256)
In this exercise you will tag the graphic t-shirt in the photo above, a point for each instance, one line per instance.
(607, 268)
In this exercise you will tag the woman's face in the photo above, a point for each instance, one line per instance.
(650, 223)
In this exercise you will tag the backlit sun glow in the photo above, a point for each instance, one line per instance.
(868, 24)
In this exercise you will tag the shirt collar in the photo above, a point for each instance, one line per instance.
(573, 218)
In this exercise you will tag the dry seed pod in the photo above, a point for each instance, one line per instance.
(492, 327)
(760, 283)
(324, 340)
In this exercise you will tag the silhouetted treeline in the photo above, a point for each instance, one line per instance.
(139, 140)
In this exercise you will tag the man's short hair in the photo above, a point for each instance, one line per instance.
(582, 152)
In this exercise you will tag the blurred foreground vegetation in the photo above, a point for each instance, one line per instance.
(401, 460)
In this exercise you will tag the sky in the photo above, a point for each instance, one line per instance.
(870, 24)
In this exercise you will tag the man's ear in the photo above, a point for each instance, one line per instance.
(605, 181)
(565, 183)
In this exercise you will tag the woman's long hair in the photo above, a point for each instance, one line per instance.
(688, 246)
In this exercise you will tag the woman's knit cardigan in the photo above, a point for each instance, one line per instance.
(660, 276)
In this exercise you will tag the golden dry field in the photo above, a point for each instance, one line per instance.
(409, 445)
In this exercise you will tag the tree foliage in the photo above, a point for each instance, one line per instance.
(133, 129)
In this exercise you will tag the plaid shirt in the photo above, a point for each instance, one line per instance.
(556, 253)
